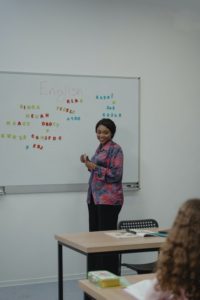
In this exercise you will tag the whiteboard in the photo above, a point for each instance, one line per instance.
(48, 120)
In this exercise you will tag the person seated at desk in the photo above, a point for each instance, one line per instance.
(178, 268)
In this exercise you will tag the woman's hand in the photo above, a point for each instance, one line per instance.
(84, 158)
(90, 165)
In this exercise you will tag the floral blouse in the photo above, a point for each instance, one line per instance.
(105, 183)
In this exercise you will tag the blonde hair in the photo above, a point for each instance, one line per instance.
(178, 268)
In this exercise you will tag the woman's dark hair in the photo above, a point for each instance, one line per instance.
(107, 123)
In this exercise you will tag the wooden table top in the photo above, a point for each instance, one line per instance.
(112, 293)
(100, 241)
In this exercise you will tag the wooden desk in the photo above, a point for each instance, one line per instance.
(116, 293)
(90, 243)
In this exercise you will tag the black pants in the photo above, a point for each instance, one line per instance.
(103, 217)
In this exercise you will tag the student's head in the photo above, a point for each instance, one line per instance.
(105, 130)
(179, 262)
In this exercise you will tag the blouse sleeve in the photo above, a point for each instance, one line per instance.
(113, 172)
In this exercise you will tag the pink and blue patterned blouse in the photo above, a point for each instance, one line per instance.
(105, 183)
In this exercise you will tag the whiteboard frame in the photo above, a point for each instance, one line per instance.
(82, 187)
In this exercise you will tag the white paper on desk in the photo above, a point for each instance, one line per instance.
(142, 232)
(139, 289)
(121, 234)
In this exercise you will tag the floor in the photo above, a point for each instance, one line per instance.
(42, 291)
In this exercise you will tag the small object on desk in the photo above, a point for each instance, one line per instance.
(120, 234)
(163, 231)
(104, 278)
(147, 233)
(131, 231)
(138, 289)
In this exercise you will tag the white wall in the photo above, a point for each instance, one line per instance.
(155, 39)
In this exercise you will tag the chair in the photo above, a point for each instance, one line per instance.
(139, 224)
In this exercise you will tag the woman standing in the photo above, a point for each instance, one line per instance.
(105, 194)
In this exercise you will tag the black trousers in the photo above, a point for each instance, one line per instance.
(104, 217)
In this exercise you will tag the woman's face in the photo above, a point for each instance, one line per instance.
(103, 134)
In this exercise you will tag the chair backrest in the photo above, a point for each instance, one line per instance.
(138, 224)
